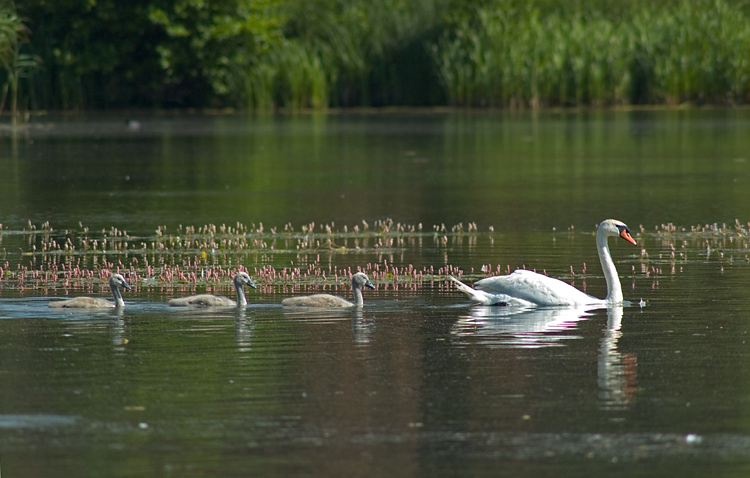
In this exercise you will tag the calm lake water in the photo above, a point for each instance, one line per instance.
(418, 383)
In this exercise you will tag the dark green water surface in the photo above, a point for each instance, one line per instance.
(418, 383)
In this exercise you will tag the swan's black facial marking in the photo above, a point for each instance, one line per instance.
(625, 233)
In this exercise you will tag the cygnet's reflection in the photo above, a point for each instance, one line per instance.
(363, 324)
(244, 329)
(118, 330)
(518, 326)
(616, 371)
(363, 328)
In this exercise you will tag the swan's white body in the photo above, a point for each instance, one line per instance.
(524, 287)
(329, 301)
(115, 282)
(207, 300)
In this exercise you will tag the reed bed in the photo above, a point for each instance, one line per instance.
(515, 54)
(320, 53)
(334, 53)
(510, 53)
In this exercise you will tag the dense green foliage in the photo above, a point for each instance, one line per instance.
(15, 65)
(516, 55)
(319, 53)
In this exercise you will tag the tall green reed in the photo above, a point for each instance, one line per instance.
(514, 54)
(334, 51)
(317, 53)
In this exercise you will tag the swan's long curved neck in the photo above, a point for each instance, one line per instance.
(614, 289)
(117, 295)
(241, 299)
(357, 291)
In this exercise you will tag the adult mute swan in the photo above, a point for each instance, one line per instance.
(115, 282)
(329, 301)
(207, 300)
(524, 287)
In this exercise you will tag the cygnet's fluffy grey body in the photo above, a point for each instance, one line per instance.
(329, 301)
(115, 282)
(207, 300)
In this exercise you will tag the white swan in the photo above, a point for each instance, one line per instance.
(524, 287)
(329, 301)
(115, 282)
(207, 300)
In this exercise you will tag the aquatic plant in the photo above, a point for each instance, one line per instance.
(301, 259)
(211, 254)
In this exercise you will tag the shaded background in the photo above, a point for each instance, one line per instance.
(294, 54)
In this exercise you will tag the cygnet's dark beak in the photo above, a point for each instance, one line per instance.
(251, 284)
(369, 284)
(126, 285)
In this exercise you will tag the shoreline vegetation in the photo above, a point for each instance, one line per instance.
(318, 54)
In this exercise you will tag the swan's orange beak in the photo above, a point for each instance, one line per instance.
(625, 234)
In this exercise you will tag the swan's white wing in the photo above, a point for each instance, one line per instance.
(481, 297)
(535, 288)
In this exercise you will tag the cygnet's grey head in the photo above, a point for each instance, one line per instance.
(242, 278)
(118, 280)
(360, 279)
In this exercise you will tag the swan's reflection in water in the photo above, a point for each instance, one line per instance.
(518, 326)
(616, 371)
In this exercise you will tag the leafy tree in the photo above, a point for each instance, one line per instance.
(95, 53)
(13, 34)
(179, 53)
(210, 45)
